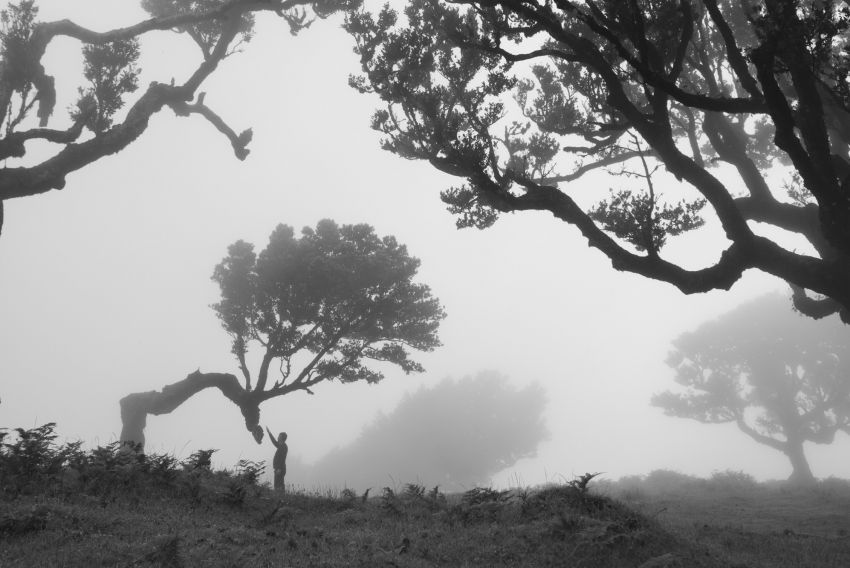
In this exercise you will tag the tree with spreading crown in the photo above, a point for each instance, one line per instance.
(323, 307)
(716, 110)
(783, 379)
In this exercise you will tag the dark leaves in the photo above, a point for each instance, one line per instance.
(112, 72)
(16, 26)
(342, 293)
(639, 219)
(784, 376)
(205, 34)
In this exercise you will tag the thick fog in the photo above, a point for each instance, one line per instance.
(456, 434)
(105, 286)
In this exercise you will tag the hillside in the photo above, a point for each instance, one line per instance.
(65, 507)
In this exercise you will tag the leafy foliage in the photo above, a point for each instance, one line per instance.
(244, 481)
(638, 219)
(694, 100)
(781, 378)
(338, 303)
(206, 34)
(342, 294)
(250, 471)
(200, 460)
(16, 26)
(29, 458)
(105, 119)
(35, 463)
(111, 69)
(115, 523)
(454, 434)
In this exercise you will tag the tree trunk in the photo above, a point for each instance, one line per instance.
(801, 473)
(136, 407)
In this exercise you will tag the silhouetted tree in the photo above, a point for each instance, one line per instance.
(456, 434)
(782, 378)
(522, 99)
(28, 93)
(321, 307)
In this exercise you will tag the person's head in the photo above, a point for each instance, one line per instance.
(281, 437)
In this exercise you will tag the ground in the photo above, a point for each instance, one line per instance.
(63, 507)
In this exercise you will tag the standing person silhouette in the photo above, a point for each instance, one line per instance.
(279, 461)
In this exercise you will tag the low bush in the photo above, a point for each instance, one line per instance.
(31, 461)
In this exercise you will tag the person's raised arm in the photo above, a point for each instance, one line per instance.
(271, 437)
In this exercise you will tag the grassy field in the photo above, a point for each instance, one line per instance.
(65, 507)
(751, 524)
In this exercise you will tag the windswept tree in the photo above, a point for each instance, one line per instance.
(734, 112)
(323, 307)
(456, 434)
(97, 125)
(783, 379)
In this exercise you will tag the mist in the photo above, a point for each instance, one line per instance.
(105, 290)
(456, 434)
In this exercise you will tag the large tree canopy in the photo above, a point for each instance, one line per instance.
(733, 110)
(28, 93)
(323, 307)
(456, 434)
(783, 379)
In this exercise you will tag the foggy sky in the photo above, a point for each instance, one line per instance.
(105, 286)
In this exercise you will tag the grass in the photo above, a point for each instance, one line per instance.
(770, 525)
(64, 507)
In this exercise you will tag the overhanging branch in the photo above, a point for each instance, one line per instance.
(136, 407)
(50, 174)
(817, 308)
(238, 141)
(758, 437)
(722, 275)
(12, 146)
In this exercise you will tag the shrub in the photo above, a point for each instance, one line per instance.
(33, 459)
(250, 471)
(667, 481)
(246, 477)
(199, 460)
(730, 480)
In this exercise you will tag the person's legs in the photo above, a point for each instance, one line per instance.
(278, 480)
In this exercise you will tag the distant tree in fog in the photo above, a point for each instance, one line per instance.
(782, 378)
(319, 308)
(456, 434)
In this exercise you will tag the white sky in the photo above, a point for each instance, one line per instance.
(105, 286)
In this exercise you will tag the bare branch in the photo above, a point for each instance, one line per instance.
(759, 437)
(239, 142)
(12, 146)
(733, 52)
(584, 168)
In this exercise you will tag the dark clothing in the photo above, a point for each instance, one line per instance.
(279, 461)
(279, 464)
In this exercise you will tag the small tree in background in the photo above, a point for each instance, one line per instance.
(782, 378)
(320, 308)
(457, 434)
(28, 93)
